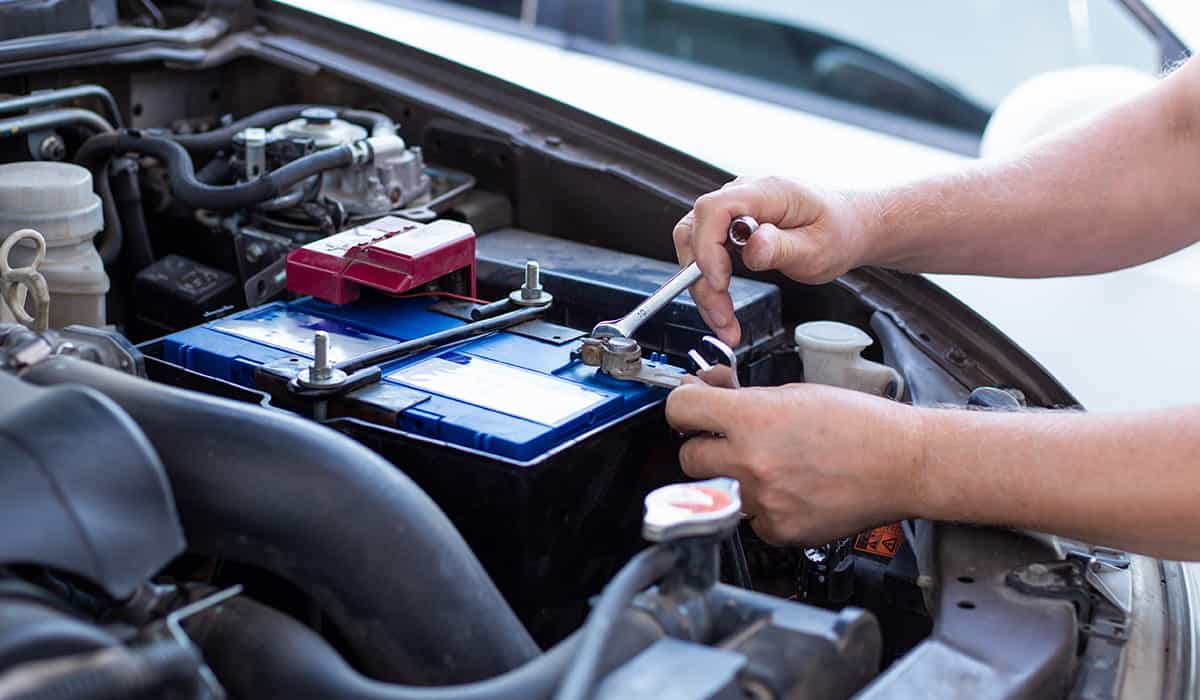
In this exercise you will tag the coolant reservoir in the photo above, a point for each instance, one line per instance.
(830, 352)
(56, 199)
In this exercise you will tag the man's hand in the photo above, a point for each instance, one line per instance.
(808, 236)
(815, 462)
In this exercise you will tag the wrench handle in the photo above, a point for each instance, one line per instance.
(628, 324)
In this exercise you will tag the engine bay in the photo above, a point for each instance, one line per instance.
(303, 342)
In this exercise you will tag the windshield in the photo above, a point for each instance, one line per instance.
(942, 62)
(975, 50)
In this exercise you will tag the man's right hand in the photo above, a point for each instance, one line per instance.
(809, 236)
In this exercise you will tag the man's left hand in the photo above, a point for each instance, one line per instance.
(815, 462)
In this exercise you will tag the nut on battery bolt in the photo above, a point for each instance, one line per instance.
(695, 518)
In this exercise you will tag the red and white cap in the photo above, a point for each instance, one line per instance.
(694, 509)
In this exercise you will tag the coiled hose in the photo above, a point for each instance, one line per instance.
(269, 488)
(181, 174)
(209, 142)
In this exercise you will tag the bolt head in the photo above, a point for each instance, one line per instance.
(52, 148)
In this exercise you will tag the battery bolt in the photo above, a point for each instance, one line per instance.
(531, 293)
(321, 373)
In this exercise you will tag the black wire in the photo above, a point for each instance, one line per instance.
(156, 14)
(641, 572)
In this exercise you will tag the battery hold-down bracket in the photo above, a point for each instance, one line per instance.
(391, 254)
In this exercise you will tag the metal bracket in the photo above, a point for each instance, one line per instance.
(1058, 579)
(174, 625)
(1107, 571)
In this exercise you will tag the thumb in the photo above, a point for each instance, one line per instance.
(768, 249)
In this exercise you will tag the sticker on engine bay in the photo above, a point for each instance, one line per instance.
(500, 387)
(883, 541)
(293, 331)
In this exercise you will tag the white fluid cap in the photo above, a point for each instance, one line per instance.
(324, 130)
(694, 509)
(56, 199)
(831, 336)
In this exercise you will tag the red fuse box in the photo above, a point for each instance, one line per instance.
(390, 254)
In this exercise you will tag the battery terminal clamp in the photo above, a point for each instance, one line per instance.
(611, 346)
(621, 358)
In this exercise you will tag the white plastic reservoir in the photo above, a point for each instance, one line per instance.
(56, 199)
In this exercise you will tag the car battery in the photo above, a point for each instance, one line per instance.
(539, 460)
(511, 394)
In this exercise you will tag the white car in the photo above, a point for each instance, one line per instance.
(725, 81)
(306, 387)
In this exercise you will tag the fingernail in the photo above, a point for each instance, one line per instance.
(761, 256)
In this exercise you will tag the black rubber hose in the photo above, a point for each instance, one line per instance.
(32, 630)
(127, 193)
(258, 652)
(113, 674)
(109, 243)
(181, 174)
(379, 124)
(218, 171)
(269, 488)
(210, 142)
(54, 97)
(642, 571)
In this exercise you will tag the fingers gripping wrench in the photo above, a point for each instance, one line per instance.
(612, 349)
(740, 231)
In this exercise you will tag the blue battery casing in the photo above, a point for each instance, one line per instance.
(506, 394)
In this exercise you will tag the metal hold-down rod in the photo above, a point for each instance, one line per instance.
(401, 350)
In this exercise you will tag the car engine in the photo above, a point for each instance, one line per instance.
(302, 399)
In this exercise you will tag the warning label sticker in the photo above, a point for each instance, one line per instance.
(883, 541)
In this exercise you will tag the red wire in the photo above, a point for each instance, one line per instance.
(451, 295)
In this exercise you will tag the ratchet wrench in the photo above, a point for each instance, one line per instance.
(740, 230)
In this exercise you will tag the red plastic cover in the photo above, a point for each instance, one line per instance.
(390, 254)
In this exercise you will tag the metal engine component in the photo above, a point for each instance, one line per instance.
(394, 177)
(322, 126)
(21, 348)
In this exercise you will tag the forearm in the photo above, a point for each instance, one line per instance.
(1124, 480)
(1116, 191)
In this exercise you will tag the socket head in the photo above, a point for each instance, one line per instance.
(741, 229)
